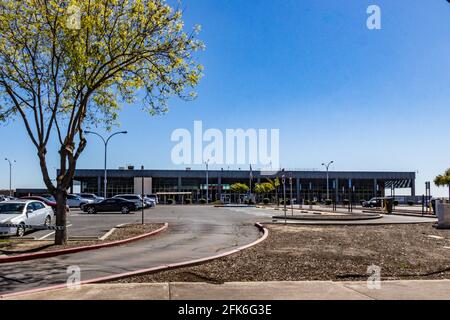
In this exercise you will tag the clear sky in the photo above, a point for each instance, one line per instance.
(367, 99)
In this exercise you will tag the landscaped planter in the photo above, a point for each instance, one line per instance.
(443, 215)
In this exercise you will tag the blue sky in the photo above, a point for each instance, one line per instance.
(368, 99)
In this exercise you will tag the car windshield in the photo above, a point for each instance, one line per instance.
(11, 208)
(87, 196)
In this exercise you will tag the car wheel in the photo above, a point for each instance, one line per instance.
(125, 210)
(48, 221)
(91, 210)
(20, 230)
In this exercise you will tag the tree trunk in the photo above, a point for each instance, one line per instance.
(61, 217)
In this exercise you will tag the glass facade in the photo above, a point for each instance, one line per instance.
(186, 187)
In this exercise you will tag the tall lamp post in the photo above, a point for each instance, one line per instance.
(10, 174)
(207, 182)
(105, 141)
(327, 166)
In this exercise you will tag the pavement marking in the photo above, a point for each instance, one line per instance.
(47, 235)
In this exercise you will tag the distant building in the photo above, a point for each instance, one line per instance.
(181, 185)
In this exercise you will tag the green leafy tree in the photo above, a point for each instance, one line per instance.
(443, 180)
(239, 188)
(68, 65)
(264, 188)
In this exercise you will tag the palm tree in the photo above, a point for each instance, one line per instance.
(443, 180)
(275, 183)
(263, 188)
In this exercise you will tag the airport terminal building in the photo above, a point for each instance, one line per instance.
(181, 185)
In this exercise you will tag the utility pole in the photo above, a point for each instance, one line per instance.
(142, 187)
(327, 166)
(207, 182)
(105, 142)
(290, 185)
(10, 175)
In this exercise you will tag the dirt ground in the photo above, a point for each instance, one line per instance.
(413, 251)
(18, 246)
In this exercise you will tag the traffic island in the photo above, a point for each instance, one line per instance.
(328, 216)
(22, 250)
(328, 253)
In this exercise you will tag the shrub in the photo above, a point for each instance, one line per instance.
(266, 200)
(395, 203)
(410, 203)
(202, 201)
(288, 202)
(313, 203)
(346, 202)
(187, 201)
(328, 202)
(170, 201)
(218, 202)
(306, 202)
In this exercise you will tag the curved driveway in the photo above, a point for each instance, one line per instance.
(194, 232)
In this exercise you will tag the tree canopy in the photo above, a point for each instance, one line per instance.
(239, 187)
(69, 65)
(443, 179)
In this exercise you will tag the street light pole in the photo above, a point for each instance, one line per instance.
(207, 182)
(327, 166)
(105, 142)
(10, 175)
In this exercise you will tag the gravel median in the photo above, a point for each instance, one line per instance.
(294, 253)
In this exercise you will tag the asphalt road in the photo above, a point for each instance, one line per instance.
(194, 232)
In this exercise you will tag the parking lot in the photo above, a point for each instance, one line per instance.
(194, 232)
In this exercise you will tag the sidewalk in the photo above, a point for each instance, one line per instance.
(302, 290)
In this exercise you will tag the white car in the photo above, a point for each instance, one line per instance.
(23, 214)
(74, 200)
(3, 198)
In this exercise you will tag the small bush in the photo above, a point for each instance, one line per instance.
(346, 202)
(410, 203)
(266, 200)
(218, 202)
(328, 202)
(395, 203)
(170, 201)
(187, 201)
(313, 203)
(202, 201)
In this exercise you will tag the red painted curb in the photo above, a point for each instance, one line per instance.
(49, 254)
(149, 270)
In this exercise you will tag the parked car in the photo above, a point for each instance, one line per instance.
(49, 203)
(110, 205)
(153, 196)
(22, 213)
(374, 202)
(49, 197)
(137, 199)
(74, 200)
(2, 198)
(91, 196)
(149, 202)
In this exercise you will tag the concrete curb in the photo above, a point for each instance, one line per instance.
(49, 254)
(149, 270)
